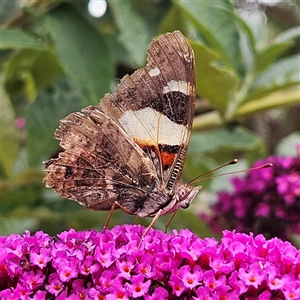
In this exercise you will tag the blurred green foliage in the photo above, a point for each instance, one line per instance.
(56, 58)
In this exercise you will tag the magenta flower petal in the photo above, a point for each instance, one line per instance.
(204, 293)
(67, 269)
(55, 285)
(138, 286)
(32, 280)
(210, 280)
(265, 201)
(125, 266)
(145, 266)
(291, 290)
(159, 293)
(253, 276)
(165, 267)
(190, 278)
(40, 259)
(118, 291)
(40, 295)
(177, 284)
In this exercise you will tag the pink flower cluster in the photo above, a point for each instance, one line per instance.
(266, 201)
(109, 265)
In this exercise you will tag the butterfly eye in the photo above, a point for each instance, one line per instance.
(181, 194)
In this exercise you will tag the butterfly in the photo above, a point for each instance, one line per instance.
(129, 150)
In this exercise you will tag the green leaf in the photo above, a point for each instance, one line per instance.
(278, 99)
(284, 73)
(223, 140)
(19, 79)
(174, 19)
(22, 191)
(288, 35)
(29, 84)
(254, 22)
(9, 137)
(210, 149)
(15, 39)
(28, 70)
(271, 51)
(82, 51)
(270, 54)
(248, 52)
(215, 22)
(207, 120)
(216, 83)
(45, 69)
(43, 117)
(133, 33)
(13, 225)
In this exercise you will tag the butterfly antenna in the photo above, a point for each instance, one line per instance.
(234, 161)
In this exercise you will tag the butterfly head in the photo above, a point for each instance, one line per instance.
(184, 194)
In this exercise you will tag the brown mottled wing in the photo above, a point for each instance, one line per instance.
(134, 141)
(156, 104)
(100, 164)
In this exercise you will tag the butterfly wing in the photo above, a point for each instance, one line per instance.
(134, 141)
(100, 164)
(156, 104)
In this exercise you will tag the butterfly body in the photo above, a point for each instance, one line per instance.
(130, 148)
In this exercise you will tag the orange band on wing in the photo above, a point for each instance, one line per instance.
(167, 159)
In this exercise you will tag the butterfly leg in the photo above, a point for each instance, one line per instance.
(116, 203)
(136, 220)
(149, 227)
(170, 220)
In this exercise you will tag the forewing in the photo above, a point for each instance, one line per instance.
(155, 105)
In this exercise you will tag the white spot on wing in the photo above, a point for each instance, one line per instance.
(151, 126)
(177, 86)
(154, 72)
